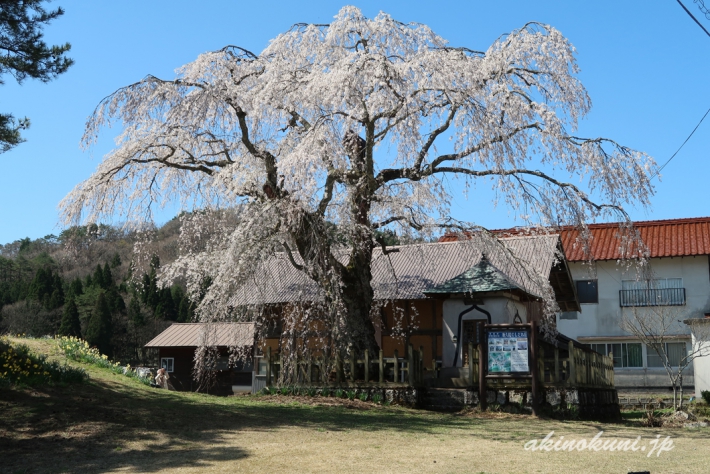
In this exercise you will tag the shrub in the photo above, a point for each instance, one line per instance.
(19, 365)
(339, 393)
(351, 394)
(363, 396)
(312, 392)
(706, 396)
(377, 398)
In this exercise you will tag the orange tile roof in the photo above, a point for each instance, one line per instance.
(662, 238)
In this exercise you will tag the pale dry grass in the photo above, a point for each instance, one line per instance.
(115, 424)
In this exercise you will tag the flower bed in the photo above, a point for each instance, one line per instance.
(80, 351)
(18, 365)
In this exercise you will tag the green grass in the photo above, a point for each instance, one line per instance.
(116, 423)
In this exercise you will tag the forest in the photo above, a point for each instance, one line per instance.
(85, 283)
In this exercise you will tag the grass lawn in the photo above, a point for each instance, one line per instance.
(114, 423)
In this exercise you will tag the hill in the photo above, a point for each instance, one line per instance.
(53, 285)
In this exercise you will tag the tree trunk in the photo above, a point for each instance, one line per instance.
(675, 395)
(680, 382)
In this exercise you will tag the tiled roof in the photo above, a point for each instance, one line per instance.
(662, 238)
(412, 269)
(197, 334)
(482, 278)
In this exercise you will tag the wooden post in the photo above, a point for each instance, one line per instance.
(396, 366)
(338, 368)
(410, 365)
(367, 366)
(572, 377)
(556, 372)
(382, 367)
(471, 380)
(268, 366)
(611, 366)
(434, 368)
(533, 368)
(352, 366)
(420, 366)
(309, 371)
(482, 389)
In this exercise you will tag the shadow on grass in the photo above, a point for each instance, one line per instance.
(114, 423)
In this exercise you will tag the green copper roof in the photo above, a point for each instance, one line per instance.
(483, 277)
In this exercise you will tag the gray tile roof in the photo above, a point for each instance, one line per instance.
(197, 334)
(412, 269)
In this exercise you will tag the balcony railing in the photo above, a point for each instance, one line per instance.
(652, 297)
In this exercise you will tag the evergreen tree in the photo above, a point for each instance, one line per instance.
(99, 330)
(168, 306)
(184, 310)
(98, 278)
(134, 312)
(108, 277)
(76, 288)
(23, 54)
(56, 300)
(88, 281)
(71, 326)
(116, 261)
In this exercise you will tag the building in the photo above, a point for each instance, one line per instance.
(176, 352)
(678, 253)
(431, 295)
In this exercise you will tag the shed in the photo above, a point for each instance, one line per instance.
(178, 343)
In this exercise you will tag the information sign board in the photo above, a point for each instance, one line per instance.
(508, 352)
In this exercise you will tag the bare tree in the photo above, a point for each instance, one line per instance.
(337, 132)
(659, 325)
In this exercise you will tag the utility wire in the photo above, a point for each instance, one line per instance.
(694, 19)
(686, 141)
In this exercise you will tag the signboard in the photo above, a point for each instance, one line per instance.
(508, 352)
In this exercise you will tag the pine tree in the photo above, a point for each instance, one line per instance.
(71, 326)
(23, 54)
(116, 261)
(99, 330)
(56, 300)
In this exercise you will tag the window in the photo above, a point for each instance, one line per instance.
(655, 292)
(625, 354)
(587, 291)
(569, 315)
(675, 351)
(167, 363)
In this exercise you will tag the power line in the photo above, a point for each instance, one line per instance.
(694, 19)
(686, 141)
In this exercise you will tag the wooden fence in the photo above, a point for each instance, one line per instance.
(350, 369)
(554, 365)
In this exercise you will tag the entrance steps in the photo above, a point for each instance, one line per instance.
(445, 399)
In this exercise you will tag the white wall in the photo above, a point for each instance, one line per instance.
(603, 319)
(502, 311)
(701, 367)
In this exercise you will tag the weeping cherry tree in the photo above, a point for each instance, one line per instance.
(336, 133)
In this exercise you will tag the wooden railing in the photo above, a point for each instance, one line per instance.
(349, 369)
(576, 367)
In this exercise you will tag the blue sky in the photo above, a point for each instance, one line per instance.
(644, 64)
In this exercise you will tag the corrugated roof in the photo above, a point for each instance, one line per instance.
(411, 269)
(482, 278)
(209, 334)
(661, 238)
